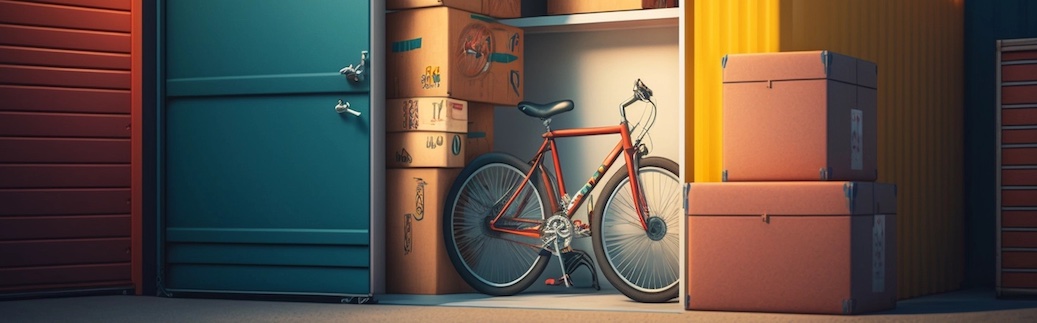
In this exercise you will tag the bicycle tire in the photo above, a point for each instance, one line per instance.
(642, 265)
(492, 262)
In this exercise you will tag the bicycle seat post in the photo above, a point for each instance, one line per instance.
(547, 123)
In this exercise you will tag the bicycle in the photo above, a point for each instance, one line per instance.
(505, 218)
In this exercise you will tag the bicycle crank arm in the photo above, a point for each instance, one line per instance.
(561, 262)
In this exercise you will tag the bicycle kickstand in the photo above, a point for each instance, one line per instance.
(573, 260)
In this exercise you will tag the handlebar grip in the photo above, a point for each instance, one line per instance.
(642, 90)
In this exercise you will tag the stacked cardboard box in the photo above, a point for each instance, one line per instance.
(447, 68)
(425, 147)
(447, 52)
(799, 224)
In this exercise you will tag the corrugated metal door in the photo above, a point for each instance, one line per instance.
(1017, 167)
(65, 88)
(985, 23)
(266, 189)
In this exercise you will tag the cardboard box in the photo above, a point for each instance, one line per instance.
(492, 8)
(415, 257)
(444, 52)
(424, 149)
(480, 131)
(797, 247)
(426, 114)
(799, 116)
(563, 7)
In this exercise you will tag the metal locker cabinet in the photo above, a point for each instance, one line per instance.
(268, 184)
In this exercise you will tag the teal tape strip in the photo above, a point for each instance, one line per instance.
(483, 18)
(406, 45)
(502, 58)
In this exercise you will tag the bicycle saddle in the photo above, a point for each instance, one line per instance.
(544, 111)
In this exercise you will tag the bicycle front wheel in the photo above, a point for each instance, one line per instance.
(491, 261)
(642, 263)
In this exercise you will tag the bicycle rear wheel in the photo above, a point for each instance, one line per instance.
(494, 262)
(642, 264)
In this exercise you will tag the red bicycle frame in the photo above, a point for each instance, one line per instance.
(624, 145)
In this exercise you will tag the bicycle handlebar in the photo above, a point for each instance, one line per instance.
(642, 90)
(641, 93)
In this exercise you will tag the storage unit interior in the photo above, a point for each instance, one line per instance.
(592, 59)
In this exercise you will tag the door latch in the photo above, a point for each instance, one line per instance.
(343, 107)
(355, 73)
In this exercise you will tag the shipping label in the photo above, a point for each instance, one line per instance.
(856, 139)
(437, 112)
(402, 156)
(431, 78)
(410, 114)
(457, 111)
(878, 254)
(455, 145)
(418, 215)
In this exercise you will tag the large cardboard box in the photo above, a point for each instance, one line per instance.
(562, 7)
(415, 257)
(480, 130)
(444, 52)
(424, 149)
(426, 114)
(492, 8)
(798, 247)
(799, 116)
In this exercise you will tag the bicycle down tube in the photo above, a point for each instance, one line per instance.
(623, 146)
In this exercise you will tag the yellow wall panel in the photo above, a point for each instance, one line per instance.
(918, 46)
(721, 28)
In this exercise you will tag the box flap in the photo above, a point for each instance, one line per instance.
(771, 199)
(762, 67)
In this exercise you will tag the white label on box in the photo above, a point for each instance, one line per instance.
(458, 112)
(878, 254)
(856, 139)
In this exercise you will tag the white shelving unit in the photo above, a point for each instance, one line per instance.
(614, 20)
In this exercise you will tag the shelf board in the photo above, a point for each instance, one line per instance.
(597, 21)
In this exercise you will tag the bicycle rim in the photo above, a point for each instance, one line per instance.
(496, 259)
(645, 264)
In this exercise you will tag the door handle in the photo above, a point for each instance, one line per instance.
(343, 107)
(355, 74)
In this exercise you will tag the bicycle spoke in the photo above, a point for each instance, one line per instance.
(496, 259)
(645, 264)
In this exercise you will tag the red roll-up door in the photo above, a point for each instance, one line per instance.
(1017, 167)
(65, 146)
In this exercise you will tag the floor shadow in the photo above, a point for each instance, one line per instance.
(963, 301)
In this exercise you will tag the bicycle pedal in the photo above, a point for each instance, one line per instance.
(582, 230)
(556, 281)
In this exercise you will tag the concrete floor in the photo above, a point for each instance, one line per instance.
(960, 306)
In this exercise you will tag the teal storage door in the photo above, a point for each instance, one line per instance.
(264, 187)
